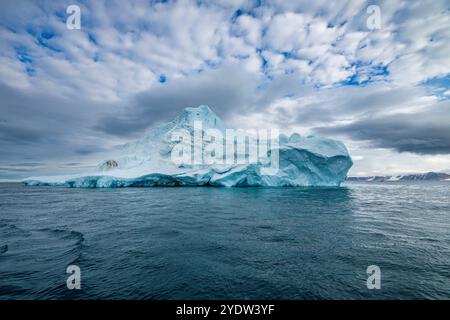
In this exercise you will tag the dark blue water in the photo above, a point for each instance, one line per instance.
(217, 243)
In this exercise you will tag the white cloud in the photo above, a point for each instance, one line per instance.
(286, 32)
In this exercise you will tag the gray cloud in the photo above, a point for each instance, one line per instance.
(16, 135)
(344, 103)
(426, 132)
(227, 89)
(41, 126)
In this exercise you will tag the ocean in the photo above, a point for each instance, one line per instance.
(226, 243)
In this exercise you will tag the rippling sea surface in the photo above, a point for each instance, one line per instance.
(219, 243)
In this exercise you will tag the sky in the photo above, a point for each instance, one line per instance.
(68, 97)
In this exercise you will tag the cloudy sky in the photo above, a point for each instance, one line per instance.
(68, 97)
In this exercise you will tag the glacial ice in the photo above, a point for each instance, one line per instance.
(302, 161)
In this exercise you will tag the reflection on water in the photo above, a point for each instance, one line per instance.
(241, 243)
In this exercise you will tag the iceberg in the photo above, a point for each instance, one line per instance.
(189, 151)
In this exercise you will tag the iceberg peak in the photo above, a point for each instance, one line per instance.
(201, 113)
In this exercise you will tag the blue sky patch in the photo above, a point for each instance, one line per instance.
(366, 73)
(439, 86)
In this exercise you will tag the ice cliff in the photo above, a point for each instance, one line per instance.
(150, 161)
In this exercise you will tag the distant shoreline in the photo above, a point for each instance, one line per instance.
(429, 176)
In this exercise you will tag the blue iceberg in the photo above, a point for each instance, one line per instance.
(150, 161)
